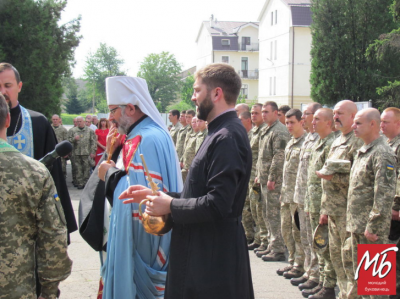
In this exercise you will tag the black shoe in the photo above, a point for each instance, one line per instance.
(324, 293)
(283, 270)
(274, 257)
(312, 291)
(253, 246)
(297, 281)
(261, 253)
(294, 273)
(262, 247)
(308, 285)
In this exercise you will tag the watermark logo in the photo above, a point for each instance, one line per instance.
(376, 269)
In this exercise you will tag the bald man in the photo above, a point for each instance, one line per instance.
(240, 108)
(322, 124)
(335, 186)
(372, 187)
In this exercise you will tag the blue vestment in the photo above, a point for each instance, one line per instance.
(137, 262)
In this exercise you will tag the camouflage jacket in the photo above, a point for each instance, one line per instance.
(61, 133)
(395, 145)
(87, 143)
(304, 159)
(188, 133)
(334, 192)
(273, 140)
(319, 155)
(32, 228)
(254, 144)
(292, 159)
(372, 189)
(174, 132)
(200, 138)
(180, 141)
(190, 151)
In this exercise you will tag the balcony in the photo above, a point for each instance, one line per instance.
(245, 74)
(249, 48)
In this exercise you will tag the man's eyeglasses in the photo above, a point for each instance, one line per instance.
(112, 111)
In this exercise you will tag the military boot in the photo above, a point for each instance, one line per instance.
(297, 281)
(308, 292)
(274, 257)
(262, 247)
(308, 285)
(283, 270)
(324, 293)
(294, 273)
(253, 246)
(261, 253)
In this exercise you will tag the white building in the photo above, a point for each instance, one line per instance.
(235, 43)
(285, 44)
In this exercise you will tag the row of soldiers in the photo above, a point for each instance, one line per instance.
(325, 171)
(84, 142)
(188, 133)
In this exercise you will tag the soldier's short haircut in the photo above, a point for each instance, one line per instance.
(372, 114)
(183, 112)
(258, 105)
(315, 106)
(294, 112)
(224, 76)
(273, 105)
(175, 112)
(88, 116)
(396, 112)
(8, 66)
(56, 115)
(244, 105)
(245, 115)
(328, 114)
(4, 110)
(191, 112)
(284, 109)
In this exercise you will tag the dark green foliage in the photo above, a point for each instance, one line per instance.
(187, 91)
(42, 50)
(73, 105)
(161, 71)
(342, 31)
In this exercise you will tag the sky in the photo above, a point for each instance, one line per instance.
(137, 28)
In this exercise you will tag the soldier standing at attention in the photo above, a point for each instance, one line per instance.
(173, 117)
(240, 108)
(85, 144)
(273, 140)
(189, 116)
(29, 201)
(372, 187)
(290, 231)
(70, 134)
(180, 139)
(202, 133)
(190, 149)
(322, 124)
(61, 135)
(282, 110)
(310, 279)
(245, 118)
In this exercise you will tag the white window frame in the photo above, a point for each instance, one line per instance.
(271, 50)
(247, 88)
(225, 39)
(225, 56)
(276, 17)
(276, 50)
(272, 18)
(274, 86)
(270, 86)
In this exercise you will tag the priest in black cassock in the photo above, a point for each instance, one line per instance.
(208, 255)
(31, 133)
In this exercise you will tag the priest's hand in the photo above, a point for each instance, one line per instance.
(103, 168)
(159, 204)
(135, 194)
(324, 176)
(111, 133)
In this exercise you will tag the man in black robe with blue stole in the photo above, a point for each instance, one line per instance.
(208, 255)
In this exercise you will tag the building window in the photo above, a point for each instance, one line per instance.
(225, 59)
(270, 53)
(225, 42)
(272, 18)
(270, 86)
(244, 91)
(276, 17)
(274, 85)
(245, 42)
(276, 49)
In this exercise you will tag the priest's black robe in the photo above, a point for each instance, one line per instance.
(209, 256)
(45, 141)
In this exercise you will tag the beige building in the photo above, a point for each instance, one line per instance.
(235, 43)
(285, 44)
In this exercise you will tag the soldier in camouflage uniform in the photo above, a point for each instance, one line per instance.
(323, 124)
(71, 134)
(189, 116)
(202, 133)
(173, 117)
(273, 140)
(372, 187)
(190, 150)
(181, 137)
(61, 134)
(390, 127)
(310, 279)
(29, 202)
(85, 144)
(290, 231)
(335, 187)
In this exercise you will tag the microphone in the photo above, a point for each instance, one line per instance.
(62, 149)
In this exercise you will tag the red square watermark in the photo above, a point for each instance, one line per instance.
(376, 269)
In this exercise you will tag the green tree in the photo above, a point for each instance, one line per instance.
(42, 50)
(342, 31)
(105, 62)
(73, 104)
(187, 92)
(161, 71)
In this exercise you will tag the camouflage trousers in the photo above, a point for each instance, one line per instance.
(248, 221)
(337, 237)
(326, 272)
(349, 256)
(272, 217)
(64, 166)
(291, 235)
(73, 168)
(82, 170)
(306, 236)
(258, 209)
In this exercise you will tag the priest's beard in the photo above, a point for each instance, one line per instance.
(205, 107)
(124, 123)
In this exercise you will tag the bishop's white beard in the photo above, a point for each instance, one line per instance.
(124, 123)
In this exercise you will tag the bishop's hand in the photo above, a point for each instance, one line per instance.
(135, 194)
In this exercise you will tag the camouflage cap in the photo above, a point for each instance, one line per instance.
(332, 166)
(321, 236)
